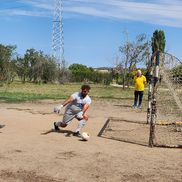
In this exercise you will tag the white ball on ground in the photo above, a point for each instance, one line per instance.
(85, 136)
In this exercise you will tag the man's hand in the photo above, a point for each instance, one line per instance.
(58, 108)
(80, 115)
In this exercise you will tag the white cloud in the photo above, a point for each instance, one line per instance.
(42, 4)
(162, 12)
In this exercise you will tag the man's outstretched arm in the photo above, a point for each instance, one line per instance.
(58, 108)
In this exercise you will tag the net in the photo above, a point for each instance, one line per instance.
(135, 132)
(169, 102)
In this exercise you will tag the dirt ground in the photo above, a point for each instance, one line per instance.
(30, 153)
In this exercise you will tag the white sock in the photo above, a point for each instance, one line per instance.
(80, 125)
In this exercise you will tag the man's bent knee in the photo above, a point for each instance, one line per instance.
(85, 117)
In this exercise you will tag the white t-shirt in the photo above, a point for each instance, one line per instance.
(79, 101)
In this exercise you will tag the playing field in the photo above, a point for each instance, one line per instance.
(30, 153)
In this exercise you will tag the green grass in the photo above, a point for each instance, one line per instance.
(18, 92)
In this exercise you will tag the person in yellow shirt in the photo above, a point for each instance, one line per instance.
(140, 81)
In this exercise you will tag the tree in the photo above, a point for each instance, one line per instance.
(36, 67)
(158, 44)
(35, 61)
(133, 53)
(158, 41)
(79, 72)
(22, 68)
(49, 70)
(7, 69)
(82, 73)
(177, 74)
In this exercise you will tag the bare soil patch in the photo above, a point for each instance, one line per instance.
(31, 151)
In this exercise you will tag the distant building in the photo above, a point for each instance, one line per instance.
(103, 69)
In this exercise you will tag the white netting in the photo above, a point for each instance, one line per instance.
(169, 92)
(169, 102)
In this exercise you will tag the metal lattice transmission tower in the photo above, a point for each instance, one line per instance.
(58, 34)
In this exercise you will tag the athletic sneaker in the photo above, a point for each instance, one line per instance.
(56, 128)
(139, 107)
(77, 134)
(133, 107)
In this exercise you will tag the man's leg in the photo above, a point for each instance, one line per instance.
(67, 117)
(59, 124)
(81, 124)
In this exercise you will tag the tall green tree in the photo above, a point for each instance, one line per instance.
(22, 68)
(35, 63)
(36, 67)
(7, 69)
(158, 41)
(79, 72)
(50, 70)
(133, 53)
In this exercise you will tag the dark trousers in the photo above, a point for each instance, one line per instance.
(138, 94)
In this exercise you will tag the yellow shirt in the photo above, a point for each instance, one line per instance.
(139, 83)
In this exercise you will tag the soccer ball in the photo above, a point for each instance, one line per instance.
(85, 136)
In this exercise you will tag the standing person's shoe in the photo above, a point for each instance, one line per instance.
(133, 107)
(139, 107)
(56, 128)
(77, 134)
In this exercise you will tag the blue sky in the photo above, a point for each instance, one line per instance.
(93, 29)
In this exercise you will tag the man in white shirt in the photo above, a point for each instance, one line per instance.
(76, 106)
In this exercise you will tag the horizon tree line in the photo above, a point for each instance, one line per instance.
(37, 67)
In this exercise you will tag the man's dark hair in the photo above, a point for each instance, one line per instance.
(87, 87)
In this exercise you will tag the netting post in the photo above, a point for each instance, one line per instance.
(153, 100)
(150, 73)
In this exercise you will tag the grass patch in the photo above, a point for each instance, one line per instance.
(22, 97)
(18, 92)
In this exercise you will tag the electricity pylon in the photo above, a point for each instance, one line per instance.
(58, 34)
